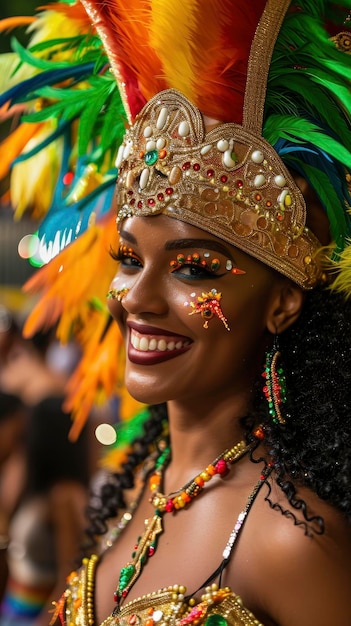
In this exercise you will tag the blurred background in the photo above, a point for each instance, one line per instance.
(45, 479)
(14, 270)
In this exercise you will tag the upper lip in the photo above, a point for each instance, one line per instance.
(144, 329)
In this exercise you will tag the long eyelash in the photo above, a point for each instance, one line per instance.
(115, 254)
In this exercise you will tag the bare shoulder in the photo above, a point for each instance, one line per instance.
(305, 576)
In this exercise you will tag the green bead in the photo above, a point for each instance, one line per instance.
(151, 157)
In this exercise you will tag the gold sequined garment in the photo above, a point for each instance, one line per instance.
(169, 606)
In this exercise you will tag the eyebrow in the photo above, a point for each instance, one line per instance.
(180, 244)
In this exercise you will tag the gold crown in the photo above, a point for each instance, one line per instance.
(228, 182)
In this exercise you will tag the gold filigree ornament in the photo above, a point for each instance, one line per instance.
(228, 182)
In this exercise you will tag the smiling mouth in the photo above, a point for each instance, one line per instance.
(150, 348)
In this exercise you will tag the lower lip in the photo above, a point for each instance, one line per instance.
(152, 358)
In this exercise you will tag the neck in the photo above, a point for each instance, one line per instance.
(199, 437)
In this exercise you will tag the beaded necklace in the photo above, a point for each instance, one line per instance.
(163, 504)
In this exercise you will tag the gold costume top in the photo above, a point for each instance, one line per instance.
(170, 606)
(166, 607)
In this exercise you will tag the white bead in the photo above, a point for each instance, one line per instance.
(160, 143)
(184, 129)
(205, 149)
(150, 145)
(162, 118)
(222, 145)
(127, 150)
(157, 616)
(280, 180)
(259, 180)
(257, 156)
(227, 159)
(148, 132)
(144, 178)
(281, 198)
(119, 157)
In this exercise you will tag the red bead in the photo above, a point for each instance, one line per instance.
(239, 184)
(68, 178)
(221, 467)
(196, 167)
(169, 191)
(151, 202)
(169, 506)
(151, 550)
(224, 178)
(140, 204)
(210, 173)
(160, 196)
(115, 596)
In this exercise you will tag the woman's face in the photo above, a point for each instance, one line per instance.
(169, 273)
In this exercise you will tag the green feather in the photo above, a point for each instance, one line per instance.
(295, 129)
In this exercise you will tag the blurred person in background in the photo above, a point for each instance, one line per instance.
(48, 525)
(13, 416)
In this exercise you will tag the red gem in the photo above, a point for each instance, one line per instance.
(210, 173)
(151, 202)
(239, 184)
(196, 167)
(169, 191)
(151, 550)
(186, 165)
(132, 201)
(115, 596)
(224, 178)
(130, 192)
(124, 593)
(68, 178)
(160, 196)
(140, 204)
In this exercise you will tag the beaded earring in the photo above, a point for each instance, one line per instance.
(275, 387)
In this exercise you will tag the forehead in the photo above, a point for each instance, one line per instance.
(169, 233)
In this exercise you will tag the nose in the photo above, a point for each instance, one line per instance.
(141, 294)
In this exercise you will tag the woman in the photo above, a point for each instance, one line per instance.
(236, 496)
(225, 504)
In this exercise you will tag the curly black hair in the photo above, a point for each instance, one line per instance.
(313, 447)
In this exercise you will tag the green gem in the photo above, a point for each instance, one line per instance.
(151, 157)
(125, 576)
(216, 620)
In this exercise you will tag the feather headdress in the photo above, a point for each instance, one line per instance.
(80, 83)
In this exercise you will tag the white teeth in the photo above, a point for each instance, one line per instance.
(144, 344)
(152, 344)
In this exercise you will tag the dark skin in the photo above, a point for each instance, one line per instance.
(281, 574)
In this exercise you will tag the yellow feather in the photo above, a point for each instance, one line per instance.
(342, 269)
